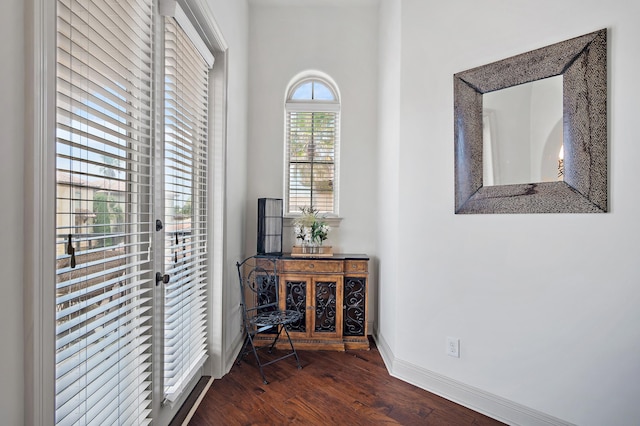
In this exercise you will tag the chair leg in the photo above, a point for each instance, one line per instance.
(255, 353)
(275, 340)
(295, 353)
(249, 341)
(243, 351)
(293, 350)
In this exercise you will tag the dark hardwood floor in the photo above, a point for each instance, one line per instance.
(333, 388)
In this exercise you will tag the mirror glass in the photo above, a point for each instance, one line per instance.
(522, 133)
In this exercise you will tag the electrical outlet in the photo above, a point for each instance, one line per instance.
(453, 347)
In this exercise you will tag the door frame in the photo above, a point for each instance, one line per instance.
(39, 204)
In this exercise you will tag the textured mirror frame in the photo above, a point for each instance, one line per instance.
(582, 61)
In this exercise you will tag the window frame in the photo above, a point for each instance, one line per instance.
(312, 106)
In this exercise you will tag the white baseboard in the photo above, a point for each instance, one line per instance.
(476, 399)
(232, 353)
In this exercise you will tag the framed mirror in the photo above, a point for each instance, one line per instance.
(582, 188)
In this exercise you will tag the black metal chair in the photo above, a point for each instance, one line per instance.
(261, 311)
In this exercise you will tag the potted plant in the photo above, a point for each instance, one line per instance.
(311, 230)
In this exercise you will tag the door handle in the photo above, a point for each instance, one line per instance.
(161, 278)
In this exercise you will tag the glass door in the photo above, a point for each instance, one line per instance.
(104, 279)
(184, 211)
(120, 219)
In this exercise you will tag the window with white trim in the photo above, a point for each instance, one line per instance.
(312, 138)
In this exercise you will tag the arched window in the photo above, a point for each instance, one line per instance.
(312, 111)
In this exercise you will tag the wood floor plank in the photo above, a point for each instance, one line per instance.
(350, 387)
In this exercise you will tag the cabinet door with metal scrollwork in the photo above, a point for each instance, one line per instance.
(355, 291)
(327, 317)
(325, 306)
(296, 300)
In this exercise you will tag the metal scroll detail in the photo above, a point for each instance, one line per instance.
(297, 301)
(354, 306)
(265, 290)
(325, 306)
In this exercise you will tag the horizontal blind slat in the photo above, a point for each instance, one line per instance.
(66, 338)
(83, 307)
(78, 340)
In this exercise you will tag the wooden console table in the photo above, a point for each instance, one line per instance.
(331, 294)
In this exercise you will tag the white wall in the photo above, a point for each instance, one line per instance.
(11, 192)
(547, 307)
(232, 17)
(339, 39)
(389, 39)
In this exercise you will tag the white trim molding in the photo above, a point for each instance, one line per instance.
(208, 27)
(185, 22)
(167, 7)
(39, 217)
(473, 398)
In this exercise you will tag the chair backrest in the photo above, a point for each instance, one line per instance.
(258, 284)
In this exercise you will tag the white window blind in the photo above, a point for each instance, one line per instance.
(312, 142)
(103, 156)
(185, 175)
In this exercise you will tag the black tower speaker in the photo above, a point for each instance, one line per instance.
(270, 226)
